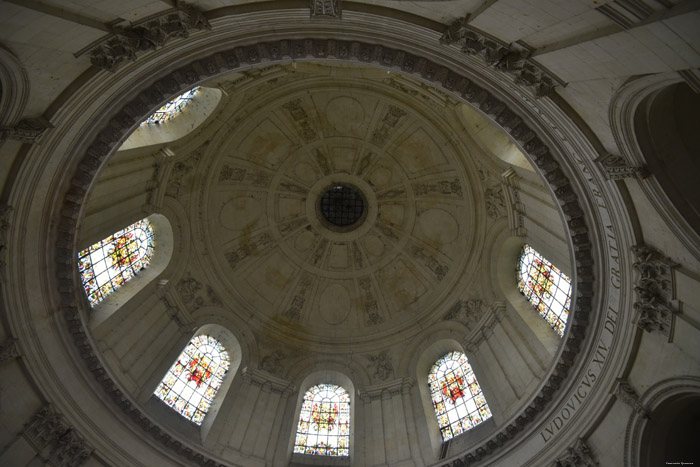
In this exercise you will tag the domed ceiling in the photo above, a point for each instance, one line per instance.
(288, 135)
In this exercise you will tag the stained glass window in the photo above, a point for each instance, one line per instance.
(547, 289)
(324, 422)
(191, 383)
(109, 263)
(171, 109)
(459, 403)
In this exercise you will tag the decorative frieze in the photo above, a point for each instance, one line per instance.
(578, 455)
(125, 43)
(616, 168)
(628, 395)
(194, 294)
(525, 71)
(654, 289)
(9, 350)
(28, 130)
(55, 440)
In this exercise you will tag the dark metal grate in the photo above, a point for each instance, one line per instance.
(342, 205)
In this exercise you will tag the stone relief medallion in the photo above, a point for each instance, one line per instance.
(339, 210)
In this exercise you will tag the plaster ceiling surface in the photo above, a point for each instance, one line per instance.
(291, 133)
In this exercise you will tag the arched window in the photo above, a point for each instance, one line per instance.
(324, 422)
(171, 109)
(547, 289)
(109, 263)
(459, 403)
(191, 383)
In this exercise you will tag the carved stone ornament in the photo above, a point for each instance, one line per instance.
(628, 395)
(8, 350)
(66, 216)
(616, 168)
(654, 290)
(525, 71)
(495, 202)
(467, 312)
(273, 363)
(578, 455)
(28, 130)
(326, 8)
(125, 43)
(55, 440)
(381, 363)
(514, 206)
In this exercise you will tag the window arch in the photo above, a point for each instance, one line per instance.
(545, 287)
(457, 397)
(190, 385)
(324, 422)
(171, 109)
(110, 263)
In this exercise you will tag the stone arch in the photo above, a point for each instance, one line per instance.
(14, 88)
(163, 235)
(665, 125)
(505, 276)
(424, 362)
(310, 49)
(662, 425)
(329, 376)
(633, 110)
(164, 413)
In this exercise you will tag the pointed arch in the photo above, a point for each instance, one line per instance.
(324, 422)
(457, 398)
(546, 288)
(192, 382)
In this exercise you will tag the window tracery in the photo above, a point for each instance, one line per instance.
(108, 264)
(191, 384)
(457, 397)
(545, 287)
(171, 109)
(324, 422)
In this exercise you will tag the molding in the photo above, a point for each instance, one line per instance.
(652, 398)
(266, 381)
(623, 107)
(311, 48)
(5, 216)
(396, 387)
(28, 130)
(506, 58)
(56, 442)
(626, 13)
(515, 209)
(692, 78)
(616, 168)
(14, 83)
(625, 392)
(175, 306)
(332, 9)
